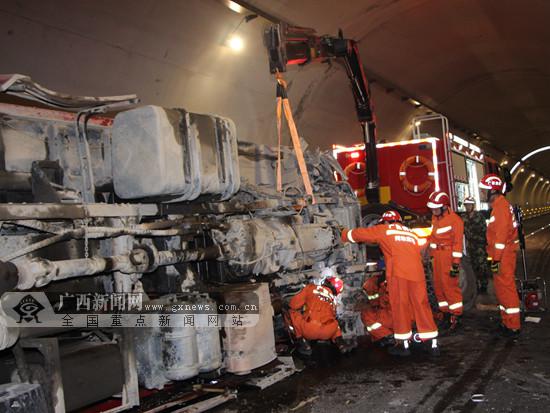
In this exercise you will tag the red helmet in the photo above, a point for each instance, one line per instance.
(391, 216)
(493, 182)
(469, 200)
(337, 283)
(438, 199)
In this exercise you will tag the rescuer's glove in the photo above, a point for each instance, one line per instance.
(495, 267)
(455, 270)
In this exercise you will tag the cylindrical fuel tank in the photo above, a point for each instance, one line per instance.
(249, 347)
(180, 355)
(208, 340)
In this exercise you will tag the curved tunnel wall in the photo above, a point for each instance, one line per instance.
(528, 190)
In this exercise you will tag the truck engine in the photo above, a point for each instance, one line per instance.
(105, 197)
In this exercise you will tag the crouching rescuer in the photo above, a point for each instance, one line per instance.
(502, 234)
(405, 278)
(446, 244)
(377, 317)
(312, 315)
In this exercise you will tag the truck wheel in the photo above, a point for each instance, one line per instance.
(429, 285)
(468, 284)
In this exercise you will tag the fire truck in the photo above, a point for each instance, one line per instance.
(412, 169)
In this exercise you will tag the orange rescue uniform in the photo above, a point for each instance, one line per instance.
(446, 243)
(405, 277)
(313, 314)
(502, 234)
(377, 317)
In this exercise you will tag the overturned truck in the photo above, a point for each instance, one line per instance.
(101, 199)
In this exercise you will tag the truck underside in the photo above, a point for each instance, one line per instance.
(163, 204)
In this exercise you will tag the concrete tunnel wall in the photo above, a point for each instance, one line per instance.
(172, 53)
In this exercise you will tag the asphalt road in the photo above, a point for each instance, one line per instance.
(507, 376)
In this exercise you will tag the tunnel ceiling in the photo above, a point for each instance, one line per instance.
(483, 63)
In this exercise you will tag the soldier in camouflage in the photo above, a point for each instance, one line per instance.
(475, 229)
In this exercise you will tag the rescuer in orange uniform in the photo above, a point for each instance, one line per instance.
(502, 234)
(405, 277)
(377, 317)
(312, 315)
(446, 244)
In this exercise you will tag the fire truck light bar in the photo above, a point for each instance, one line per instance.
(336, 149)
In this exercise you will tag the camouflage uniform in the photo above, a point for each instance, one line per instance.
(475, 229)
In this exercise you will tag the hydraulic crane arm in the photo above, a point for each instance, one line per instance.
(288, 45)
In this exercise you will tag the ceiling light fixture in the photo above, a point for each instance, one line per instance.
(237, 8)
(236, 43)
(541, 149)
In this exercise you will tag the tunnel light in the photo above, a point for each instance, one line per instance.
(541, 149)
(417, 123)
(522, 170)
(541, 179)
(237, 8)
(504, 163)
(236, 43)
(532, 175)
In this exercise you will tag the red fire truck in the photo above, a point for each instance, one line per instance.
(411, 169)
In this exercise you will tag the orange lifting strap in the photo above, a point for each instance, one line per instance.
(283, 105)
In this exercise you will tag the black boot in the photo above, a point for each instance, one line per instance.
(506, 332)
(455, 322)
(401, 349)
(387, 341)
(303, 347)
(445, 323)
(343, 347)
(433, 347)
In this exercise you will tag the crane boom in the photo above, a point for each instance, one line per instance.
(291, 45)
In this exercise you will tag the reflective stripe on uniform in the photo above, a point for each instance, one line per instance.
(443, 304)
(443, 230)
(492, 219)
(513, 310)
(373, 297)
(455, 306)
(427, 335)
(457, 255)
(500, 246)
(349, 236)
(422, 241)
(374, 326)
(405, 336)
(397, 232)
(434, 246)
